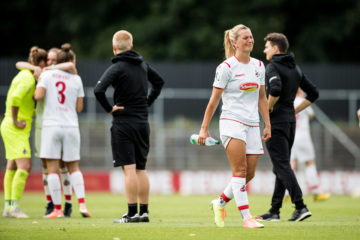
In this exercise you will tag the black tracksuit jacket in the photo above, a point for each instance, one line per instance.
(129, 75)
(283, 78)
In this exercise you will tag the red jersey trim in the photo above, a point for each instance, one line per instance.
(228, 143)
(227, 64)
(240, 75)
(238, 122)
(218, 87)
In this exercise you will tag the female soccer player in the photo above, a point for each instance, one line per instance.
(303, 152)
(63, 95)
(15, 131)
(239, 81)
(65, 176)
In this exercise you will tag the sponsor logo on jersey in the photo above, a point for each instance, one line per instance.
(249, 87)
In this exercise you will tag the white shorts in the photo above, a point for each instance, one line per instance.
(250, 135)
(303, 148)
(37, 142)
(60, 142)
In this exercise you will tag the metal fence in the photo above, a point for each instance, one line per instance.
(178, 113)
(336, 144)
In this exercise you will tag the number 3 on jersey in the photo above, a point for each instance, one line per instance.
(61, 89)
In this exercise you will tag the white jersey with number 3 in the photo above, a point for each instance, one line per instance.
(62, 91)
(241, 83)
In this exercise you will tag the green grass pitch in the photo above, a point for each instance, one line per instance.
(182, 217)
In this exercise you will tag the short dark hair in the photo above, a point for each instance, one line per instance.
(279, 40)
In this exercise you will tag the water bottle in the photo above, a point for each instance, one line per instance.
(209, 141)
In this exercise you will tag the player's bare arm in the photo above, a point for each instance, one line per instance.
(19, 124)
(264, 111)
(304, 104)
(25, 65)
(209, 112)
(272, 101)
(65, 66)
(39, 93)
(79, 104)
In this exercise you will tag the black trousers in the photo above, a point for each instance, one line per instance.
(279, 147)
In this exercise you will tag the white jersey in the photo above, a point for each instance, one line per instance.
(62, 91)
(303, 148)
(241, 83)
(303, 118)
(39, 113)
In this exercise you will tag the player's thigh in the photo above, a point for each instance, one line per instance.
(305, 150)
(71, 144)
(253, 141)
(51, 142)
(37, 144)
(16, 141)
(231, 129)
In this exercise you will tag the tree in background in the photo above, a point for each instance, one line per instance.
(179, 30)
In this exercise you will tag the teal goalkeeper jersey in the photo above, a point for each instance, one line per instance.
(21, 94)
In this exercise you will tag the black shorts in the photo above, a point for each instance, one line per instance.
(130, 144)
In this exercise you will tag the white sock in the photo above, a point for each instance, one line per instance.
(46, 185)
(238, 185)
(77, 181)
(226, 196)
(312, 178)
(66, 184)
(55, 188)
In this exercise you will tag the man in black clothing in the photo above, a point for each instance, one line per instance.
(129, 76)
(283, 78)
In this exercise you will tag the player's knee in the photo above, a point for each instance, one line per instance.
(249, 176)
(239, 172)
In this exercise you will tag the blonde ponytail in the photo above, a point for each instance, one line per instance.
(229, 48)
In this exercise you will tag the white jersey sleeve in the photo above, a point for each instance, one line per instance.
(81, 93)
(43, 80)
(262, 73)
(222, 76)
(310, 111)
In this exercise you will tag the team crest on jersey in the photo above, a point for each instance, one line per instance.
(257, 74)
(249, 87)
